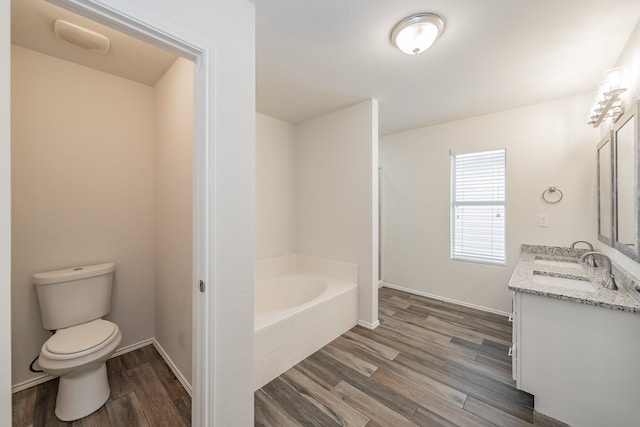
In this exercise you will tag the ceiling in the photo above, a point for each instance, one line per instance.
(32, 28)
(317, 56)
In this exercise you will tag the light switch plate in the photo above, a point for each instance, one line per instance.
(543, 220)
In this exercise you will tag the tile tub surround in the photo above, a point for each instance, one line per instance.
(522, 279)
(284, 338)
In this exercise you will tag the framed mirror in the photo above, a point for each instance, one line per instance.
(605, 190)
(626, 227)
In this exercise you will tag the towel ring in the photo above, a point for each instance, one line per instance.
(546, 195)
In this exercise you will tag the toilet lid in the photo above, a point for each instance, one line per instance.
(80, 337)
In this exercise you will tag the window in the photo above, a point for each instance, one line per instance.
(478, 206)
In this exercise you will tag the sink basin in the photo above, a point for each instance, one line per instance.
(562, 264)
(577, 284)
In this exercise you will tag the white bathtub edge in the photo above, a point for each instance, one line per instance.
(335, 289)
(281, 345)
(274, 266)
(344, 271)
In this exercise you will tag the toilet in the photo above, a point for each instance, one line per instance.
(72, 303)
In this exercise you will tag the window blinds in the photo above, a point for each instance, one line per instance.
(478, 206)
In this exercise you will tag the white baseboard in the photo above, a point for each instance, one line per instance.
(452, 301)
(369, 325)
(31, 383)
(123, 350)
(172, 366)
(119, 352)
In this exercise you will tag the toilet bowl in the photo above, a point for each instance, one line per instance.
(78, 355)
(72, 303)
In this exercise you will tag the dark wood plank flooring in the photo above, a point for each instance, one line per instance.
(144, 392)
(429, 363)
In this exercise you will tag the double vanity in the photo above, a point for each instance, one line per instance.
(576, 344)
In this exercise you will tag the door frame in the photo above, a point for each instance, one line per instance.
(5, 212)
(138, 24)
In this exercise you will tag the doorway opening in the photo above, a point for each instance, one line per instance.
(107, 167)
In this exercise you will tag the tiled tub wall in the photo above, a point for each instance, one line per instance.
(281, 345)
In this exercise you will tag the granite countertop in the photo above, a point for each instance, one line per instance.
(543, 261)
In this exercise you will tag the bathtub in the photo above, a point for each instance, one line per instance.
(295, 315)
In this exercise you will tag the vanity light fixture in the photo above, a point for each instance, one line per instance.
(416, 33)
(607, 102)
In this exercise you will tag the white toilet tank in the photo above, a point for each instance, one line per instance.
(74, 295)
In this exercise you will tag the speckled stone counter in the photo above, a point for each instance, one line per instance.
(541, 261)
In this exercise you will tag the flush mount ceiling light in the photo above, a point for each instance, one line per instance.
(81, 36)
(416, 33)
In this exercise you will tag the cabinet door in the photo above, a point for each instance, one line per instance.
(578, 360)
(514, 336)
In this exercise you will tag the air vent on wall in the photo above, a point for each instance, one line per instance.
(81, 36)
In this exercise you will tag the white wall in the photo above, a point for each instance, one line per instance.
(173, 212)
(232, 137)
(275, 187)
(547, 144)
(230, 140)
(337, 193)
(82, 190)
(630, 60)
(232, 226)
(5, 214)
(140, 213)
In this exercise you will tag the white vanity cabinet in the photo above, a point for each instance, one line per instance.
(581, 362)
(513, 350)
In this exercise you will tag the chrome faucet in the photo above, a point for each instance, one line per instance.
(608, 281)
(590, 260)
(573, 245)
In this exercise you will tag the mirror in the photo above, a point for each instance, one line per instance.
(605, 190)
(625, 226)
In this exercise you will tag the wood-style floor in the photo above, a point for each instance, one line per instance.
(144, 392)
(429, 363)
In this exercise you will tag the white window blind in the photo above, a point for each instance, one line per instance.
(478, 206)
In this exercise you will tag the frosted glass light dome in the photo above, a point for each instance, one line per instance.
(415, 34)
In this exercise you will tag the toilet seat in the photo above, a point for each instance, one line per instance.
(80, 340)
